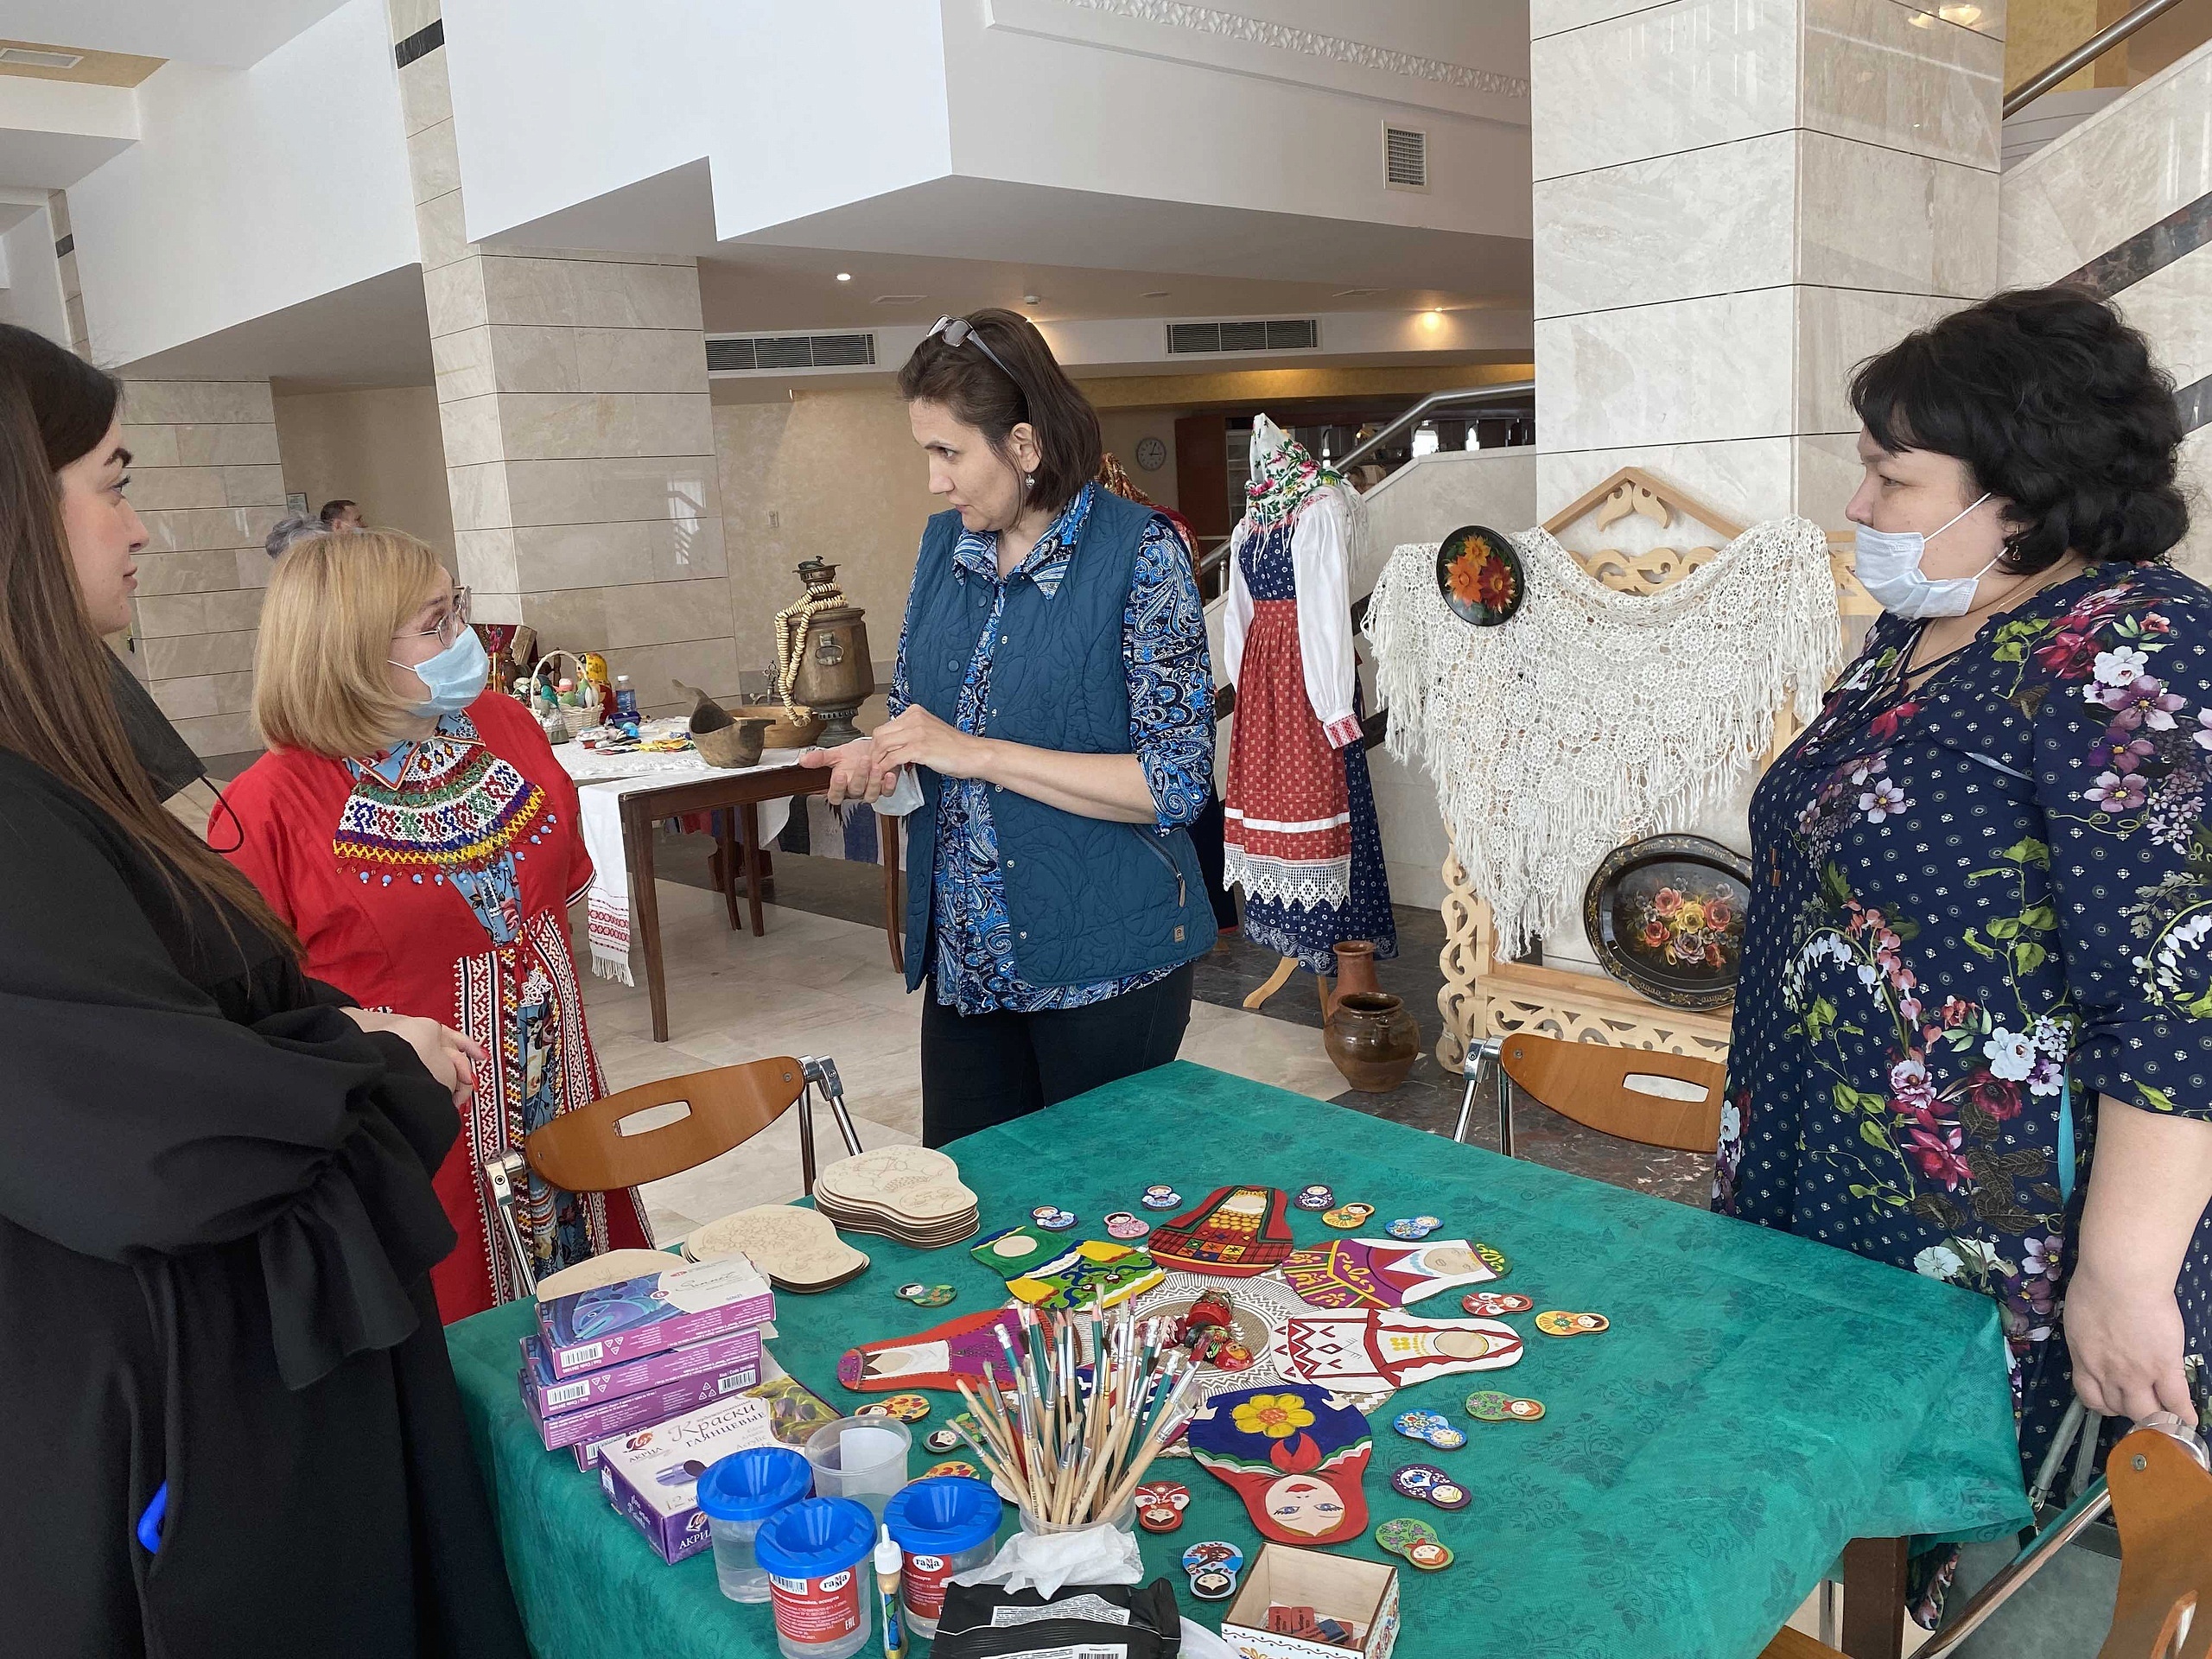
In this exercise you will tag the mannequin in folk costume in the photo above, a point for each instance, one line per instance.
(1301, 836)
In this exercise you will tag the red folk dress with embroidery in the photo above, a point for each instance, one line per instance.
(436, 882)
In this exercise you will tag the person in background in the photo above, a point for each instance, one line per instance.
(342, 515)
(297, 528)
(421, 836)
(1974, 1023)
(232, 1427)
(1054, 696)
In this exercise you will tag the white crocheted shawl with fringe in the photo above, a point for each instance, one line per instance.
(1593, 716)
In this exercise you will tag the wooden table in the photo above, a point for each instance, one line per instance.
(740, 793)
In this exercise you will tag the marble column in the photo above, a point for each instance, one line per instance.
(205, 478)
(72, 288)
(579, 439)
(1736, 200)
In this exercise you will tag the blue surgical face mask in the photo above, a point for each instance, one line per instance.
(1888, 566)
(455, 677)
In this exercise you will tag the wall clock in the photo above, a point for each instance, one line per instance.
(1152, 453)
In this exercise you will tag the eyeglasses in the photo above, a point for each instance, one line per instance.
(449, 629)
(958, 331)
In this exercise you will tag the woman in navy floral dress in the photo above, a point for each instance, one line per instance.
(1974, 1032)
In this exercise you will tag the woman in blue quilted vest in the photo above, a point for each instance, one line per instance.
(1054, 701)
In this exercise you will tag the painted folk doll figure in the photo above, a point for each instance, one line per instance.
(1382, 1273)
(1301, 836)
(1361, 1351)
(1295, 1456)
(1238, 1231)
(420, 836)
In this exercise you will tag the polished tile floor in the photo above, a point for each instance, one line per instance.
(820, 983)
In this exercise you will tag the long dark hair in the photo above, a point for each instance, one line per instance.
(2056, 405)
(54, 409)
(1032, 387)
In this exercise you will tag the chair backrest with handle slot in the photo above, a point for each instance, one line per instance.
(1642, 1094)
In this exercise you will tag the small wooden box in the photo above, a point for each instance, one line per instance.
(1362, 1595)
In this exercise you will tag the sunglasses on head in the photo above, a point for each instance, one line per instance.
(958, 331)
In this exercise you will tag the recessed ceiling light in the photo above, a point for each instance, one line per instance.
(1155, 293)
(844, 276)
(1029, 299)
(31, 56)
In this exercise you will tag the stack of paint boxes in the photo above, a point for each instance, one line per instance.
(625, 1355)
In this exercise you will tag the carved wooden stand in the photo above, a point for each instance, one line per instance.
(1483, 997)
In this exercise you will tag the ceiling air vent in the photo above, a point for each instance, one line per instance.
(777, 354)
(1279, 334)
(1405, 158)
(31, 57)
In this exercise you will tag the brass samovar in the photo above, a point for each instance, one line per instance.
(822, 656)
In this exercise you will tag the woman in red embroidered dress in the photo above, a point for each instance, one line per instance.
(419, 836)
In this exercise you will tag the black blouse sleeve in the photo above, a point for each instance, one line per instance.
(140, 1121)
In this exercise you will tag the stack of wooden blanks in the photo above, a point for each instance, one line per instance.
(911, 1194)
(798, 1249)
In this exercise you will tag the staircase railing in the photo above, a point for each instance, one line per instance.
(2090, 50)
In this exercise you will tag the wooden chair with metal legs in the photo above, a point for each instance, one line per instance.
(1638, 1094)
(588, 1151)
(2157, 1487)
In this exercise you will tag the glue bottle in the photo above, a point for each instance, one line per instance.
(888, 1558)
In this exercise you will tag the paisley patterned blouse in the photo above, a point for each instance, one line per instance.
(1976, 908)
(1170, 727)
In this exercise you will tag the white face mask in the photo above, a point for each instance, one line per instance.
(1888, 565)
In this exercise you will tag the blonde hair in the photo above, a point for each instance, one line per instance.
(321, 676)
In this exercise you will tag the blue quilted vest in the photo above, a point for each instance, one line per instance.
(1087, 899)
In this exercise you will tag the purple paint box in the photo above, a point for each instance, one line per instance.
(596, 1328)
(632, 1411)
(550, 1396)
(652, 1477)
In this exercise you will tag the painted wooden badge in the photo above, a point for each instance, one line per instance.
(1161, 1505)
(1488, 1304)
(1125, 1226)
(941, 1440)
(1555, 1323)
(1489, 1405)
(900, 1407)
(1413, 1226)
(1213, 1552)
(923, 1295)
(1052, 1217)
(951, 1466)
(1314, 1197)
(1346, 1217)
(1414, 1540)
(1431, 1485)
(1160, 1196)
(1431, 1428)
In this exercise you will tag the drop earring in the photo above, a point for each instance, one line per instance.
(1029, 480)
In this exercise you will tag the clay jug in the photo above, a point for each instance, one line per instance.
(1372, 1039)
(1354, 971)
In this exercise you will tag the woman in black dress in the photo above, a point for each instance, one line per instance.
(232, 1426)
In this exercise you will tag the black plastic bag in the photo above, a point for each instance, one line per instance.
(1082, 1621)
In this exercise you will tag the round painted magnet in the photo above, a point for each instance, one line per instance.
(1055, 1221)
(1489, 1405)
(951, 1466)
(1346, 1217)
(1488, 1304)
(941, 1440)
(1123, 1225)
(1413, 1227)
(1314, 1197)
(1555, 1323)
(1157, 1197)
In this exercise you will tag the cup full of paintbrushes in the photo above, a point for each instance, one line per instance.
(1087, 1400)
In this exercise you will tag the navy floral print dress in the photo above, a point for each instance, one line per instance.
(1976, 907)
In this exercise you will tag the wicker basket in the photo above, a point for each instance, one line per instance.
(578, 720)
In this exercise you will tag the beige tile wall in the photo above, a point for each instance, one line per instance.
(205, 479)
(379, 446)
(578, 438)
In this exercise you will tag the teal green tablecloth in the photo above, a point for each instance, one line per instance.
(1759, 1402)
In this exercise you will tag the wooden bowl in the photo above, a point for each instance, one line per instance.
(783, 733)
(735, 745)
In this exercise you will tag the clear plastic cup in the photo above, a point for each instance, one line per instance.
(1123, 1520)
(736, 1494)
(861, 1458)
(819, 1556)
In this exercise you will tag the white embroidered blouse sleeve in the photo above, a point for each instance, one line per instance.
(1320, 562)
(1237, 615)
